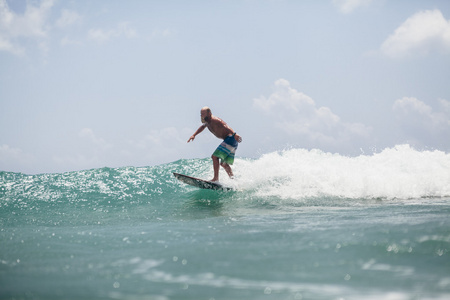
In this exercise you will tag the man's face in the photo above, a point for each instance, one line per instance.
(204, 116)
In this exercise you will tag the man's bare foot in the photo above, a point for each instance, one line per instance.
(214, 180)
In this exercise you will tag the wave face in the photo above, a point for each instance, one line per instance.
(284, 179)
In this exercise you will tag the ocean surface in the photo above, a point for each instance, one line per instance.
(300, 224)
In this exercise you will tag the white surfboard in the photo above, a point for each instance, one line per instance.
(200, 183)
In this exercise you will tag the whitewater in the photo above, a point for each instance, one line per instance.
(299, 224)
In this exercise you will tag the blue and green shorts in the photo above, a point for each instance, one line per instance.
(227, 149)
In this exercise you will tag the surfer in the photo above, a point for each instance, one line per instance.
(226, 150)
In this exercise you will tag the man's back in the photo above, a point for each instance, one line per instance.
(219, 127)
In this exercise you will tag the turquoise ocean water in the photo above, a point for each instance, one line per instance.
(300, 225)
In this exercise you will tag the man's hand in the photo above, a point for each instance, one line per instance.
(238, 138)
(200, 129)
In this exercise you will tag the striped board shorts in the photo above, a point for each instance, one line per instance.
(227, 149)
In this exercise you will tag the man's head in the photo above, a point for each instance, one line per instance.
(205, 114)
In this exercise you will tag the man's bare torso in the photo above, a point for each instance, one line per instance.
(219, 127)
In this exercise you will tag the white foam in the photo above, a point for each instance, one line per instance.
(399, 172)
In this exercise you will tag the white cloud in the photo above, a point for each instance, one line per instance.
(445, 105)
(297, 115)
(6, 153)
(89, 135)
(90, 150)
(7, 45)
(11, 158)
(162, 136)
(162, 33)
(284, 99)
(163, 144)
(77, 162)
(68, 18)
(407, 105)
(66, 41)
(93, 151)
(31, 25)
(412, 110)
(420, 34)
(123, 30)
(348, 6)
(422, 123)
(166, 145)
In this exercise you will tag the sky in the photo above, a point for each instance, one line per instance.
(89, 84)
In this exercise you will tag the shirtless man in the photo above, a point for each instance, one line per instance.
(226, 150)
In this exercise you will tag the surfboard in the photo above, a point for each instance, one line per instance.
(200, 183)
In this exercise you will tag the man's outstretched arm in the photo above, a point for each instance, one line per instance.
(200, 129)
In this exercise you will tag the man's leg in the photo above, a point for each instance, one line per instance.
(216, 168)
(228, 169)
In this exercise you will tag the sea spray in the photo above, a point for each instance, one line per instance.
(399, 172)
